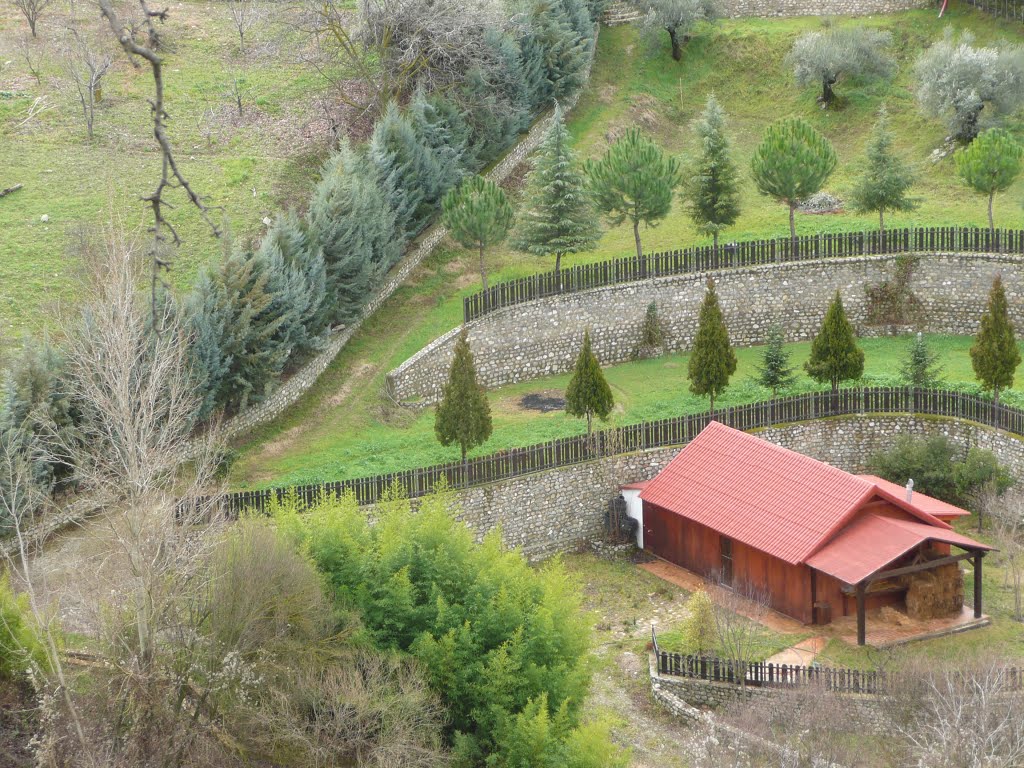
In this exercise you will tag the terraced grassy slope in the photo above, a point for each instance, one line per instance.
(344, 427)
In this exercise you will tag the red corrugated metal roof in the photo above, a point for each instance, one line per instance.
(927, 504)
(871, 542)
(769, 497)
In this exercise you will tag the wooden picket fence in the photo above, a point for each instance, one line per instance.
(767, 675)
(677, 431)
(743, 254)
(1004, 9)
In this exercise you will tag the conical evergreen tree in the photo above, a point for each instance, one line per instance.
(634, 181)
(442, 129)
(497, 101)
(407, 171)
(588, 393)
(298, 282)
(352, 224)
(775, 372)
(835, 355)
(478, 215)
(922, 368)
(712, 189)
(562, 32)
(463, 415)
(995, 354)
(712, 360)
(559, 215)
(791, 163)
(886, 178)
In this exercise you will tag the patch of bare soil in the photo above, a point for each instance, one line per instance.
(547, 401)
(18, 723)
(357, 377)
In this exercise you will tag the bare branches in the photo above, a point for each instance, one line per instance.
(171, 176)
(32, 10)
(244, 14)
(85, 67)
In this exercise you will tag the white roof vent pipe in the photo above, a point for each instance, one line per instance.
(910, 490)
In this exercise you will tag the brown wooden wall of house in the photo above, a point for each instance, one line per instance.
(698, 548)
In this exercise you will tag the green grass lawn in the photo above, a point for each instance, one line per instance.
(245, 167)
(368, 438)
(345, 428)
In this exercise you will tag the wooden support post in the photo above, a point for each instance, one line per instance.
(861, 619)
(977, 583)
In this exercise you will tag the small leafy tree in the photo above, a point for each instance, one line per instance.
(588, 393)
(995, 355)
(712, 189)
(478, 215)
(922, 368)
(990, 164)
(559, 215)
(634, 180)
(823, 58)
(961, 83)
(678, 17)
(464, 415)
(700, 633)
(835, 355)
(885, 180)
(775, 372)
(792, 162)
(712, 361)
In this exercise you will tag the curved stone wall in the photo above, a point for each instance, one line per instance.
(541, 338)
(563, 509)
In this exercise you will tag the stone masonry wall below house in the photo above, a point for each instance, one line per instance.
(564, 509)
(542, 338)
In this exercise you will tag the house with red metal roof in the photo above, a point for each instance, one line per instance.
(818, 541)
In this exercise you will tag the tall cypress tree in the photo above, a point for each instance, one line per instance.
(559, 215)
(835, 355)
(712, 361)
(588, 393)
(353, 226)
(995, 354)
(634, 181)
(886, 178)
(463, 415)
(478, 215)
(442, 129)
(775, 372)
(712, 190)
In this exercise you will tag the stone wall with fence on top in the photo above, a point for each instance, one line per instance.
(625, 12)
(542, 337)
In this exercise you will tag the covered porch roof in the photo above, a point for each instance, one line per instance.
(871, 542)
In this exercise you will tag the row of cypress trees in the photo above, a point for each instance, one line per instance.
(258, 312)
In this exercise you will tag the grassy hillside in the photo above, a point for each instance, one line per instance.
(247, 166)
(344, 427)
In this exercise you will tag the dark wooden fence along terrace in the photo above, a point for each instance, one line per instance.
(562, 452)
(767, 675)
(743, 254)
(1005, 9)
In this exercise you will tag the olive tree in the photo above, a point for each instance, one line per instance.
(678, 17)
(969, 87)
(826, 57)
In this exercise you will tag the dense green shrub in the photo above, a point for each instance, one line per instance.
(20, 646)
(506, 646)
(940, 469)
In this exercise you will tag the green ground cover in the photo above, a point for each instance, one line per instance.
(369, 439)
(247, 166)
(344, 427)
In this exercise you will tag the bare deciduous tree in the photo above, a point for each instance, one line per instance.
(32, 10)
(244, 14)
(739, 609)
(127, 33)
(85, 64)
(967, 717)
(32, 53)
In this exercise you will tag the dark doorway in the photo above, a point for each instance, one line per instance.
(726, 543)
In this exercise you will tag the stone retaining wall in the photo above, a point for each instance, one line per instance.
(542, 337)
(626, 12)
(564, 509)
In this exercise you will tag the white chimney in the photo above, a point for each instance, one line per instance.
(910, 490)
